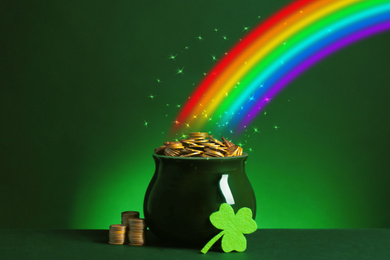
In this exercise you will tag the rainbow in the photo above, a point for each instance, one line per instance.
(273, 54)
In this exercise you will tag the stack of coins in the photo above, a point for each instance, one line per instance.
(117, 234)
(126, 215)
(200, 144)
(137, 229)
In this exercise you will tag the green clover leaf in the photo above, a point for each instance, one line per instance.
(233, 227)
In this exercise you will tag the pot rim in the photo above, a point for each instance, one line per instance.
(244, 155)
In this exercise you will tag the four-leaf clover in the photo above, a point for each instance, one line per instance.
(233, 227)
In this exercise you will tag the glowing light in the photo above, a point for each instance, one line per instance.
(145, 123)
(180, 71)
(158, 80)
(200, 37)
(172, 57)
(152, 96)
(246, 28)
(224, 37)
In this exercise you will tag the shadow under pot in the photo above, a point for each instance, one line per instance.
(185, 191)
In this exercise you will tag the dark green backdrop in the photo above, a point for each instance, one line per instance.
(76, 79)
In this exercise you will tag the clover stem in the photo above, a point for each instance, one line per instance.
(209, 244)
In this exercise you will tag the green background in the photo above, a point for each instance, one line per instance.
(76, 79)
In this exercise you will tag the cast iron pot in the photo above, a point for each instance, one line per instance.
(184, 191)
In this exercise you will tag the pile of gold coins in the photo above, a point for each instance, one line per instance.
(199, 144)
(136, 232)
(117, 234)
(134, 226)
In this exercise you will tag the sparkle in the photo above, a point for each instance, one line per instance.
(158, 80)
(284, 43)
(213, 57)
(246, 28)
(187, 125)
(194, 117)
(176, 122)
(276, 127)
(179, 105)
(167, 105)
(258, 17)
(152, 96)
(186, 48)
(200, 38)
(224, 37)
(183, 136)
(256, 130)
(251, 98)
(216, 29)
(231, 131)
(172, 57)
(301, 11)
(250, 150)
(267, 99)
(180, 71)
(265, 113)
(146, 123)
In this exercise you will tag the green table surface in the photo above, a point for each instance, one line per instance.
(264, 244)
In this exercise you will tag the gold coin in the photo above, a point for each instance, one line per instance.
(234, 151)
(190, 154)
(171, 152)
(227, 143)
(213, 153)
(160, 150)
(216, 141)
(118, 227)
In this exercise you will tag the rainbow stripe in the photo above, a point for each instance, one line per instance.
(273, 54)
